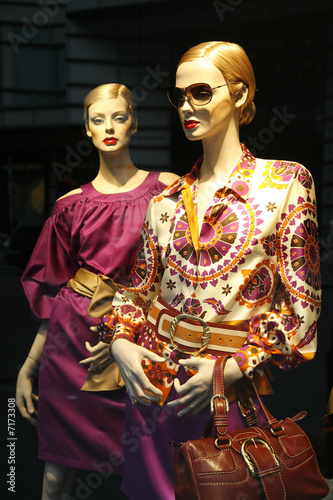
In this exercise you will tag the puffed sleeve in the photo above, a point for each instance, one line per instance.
(286, 335)
(52, 262)
(131, 304)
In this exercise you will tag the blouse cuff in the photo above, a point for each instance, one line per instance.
(267, 341)
(249, 358)
(121, 322)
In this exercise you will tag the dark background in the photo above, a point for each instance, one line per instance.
(87, 43)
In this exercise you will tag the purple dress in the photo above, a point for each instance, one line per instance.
(100, 233)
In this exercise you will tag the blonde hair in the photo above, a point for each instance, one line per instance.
(110, 91)
(235, 66)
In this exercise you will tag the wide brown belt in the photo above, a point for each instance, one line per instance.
(192, 335)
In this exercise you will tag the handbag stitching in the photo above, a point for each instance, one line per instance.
(288, 438)
(299, 465)
(266, 493)
(218, 472)
(193, 470)
(280, 441)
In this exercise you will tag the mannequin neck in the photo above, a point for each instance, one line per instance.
(221, 153)
(115, 171)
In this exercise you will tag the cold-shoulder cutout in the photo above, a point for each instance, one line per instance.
(74, 191)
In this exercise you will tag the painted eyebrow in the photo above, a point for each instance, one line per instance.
(113, 114)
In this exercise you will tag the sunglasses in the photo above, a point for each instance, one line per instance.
(198, 94)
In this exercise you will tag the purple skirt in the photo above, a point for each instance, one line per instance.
(149, 458)
(76, 428)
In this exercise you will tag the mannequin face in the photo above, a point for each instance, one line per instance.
(110, 124)
(200, 122)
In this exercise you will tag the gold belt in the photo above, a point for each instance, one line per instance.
(100, 289)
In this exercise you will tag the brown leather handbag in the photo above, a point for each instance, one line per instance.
(276, 462)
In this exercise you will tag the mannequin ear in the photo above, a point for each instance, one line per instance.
(134, 126)
(89, 134)
(241, 97)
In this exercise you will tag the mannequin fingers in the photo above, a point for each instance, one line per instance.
(138, 395)
(32, 419)
(184, 388)
(198, 363)
(152, 356)
(147, 387)
(88, 346)
(186, 396)
(196, 405)
(101, 363)
(97, 358)
(99, 347)
(147, 392)
(202, 406)
(139, 385)
(85, 361)
(131, 393)
(94, 329)
(152, 392)
(185, 400)
(34, 397)
(28, 412)
(192, 363)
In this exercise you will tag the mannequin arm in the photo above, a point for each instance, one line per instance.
(24, 395)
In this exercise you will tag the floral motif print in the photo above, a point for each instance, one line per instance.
(271, 207)
(226, 289)
(164, 217)
(278, 174)
(260, 283)
(298, 253)
(252, 269)
(192, 306)
(217, 306)
(304, 253)
(269, 244)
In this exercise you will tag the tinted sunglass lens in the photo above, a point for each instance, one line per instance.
(200, 94)
(175, 97)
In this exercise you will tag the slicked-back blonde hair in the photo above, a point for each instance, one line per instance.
(110, 91)
(235, 66)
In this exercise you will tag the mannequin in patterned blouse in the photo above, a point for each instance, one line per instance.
(246, 258)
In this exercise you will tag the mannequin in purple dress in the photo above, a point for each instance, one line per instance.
(95, 228)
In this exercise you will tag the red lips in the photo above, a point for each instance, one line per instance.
(110, 141)
(190, 123)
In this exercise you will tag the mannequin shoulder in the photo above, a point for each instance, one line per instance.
(74, 191)
(168, 178)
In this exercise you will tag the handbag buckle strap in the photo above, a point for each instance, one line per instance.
(205, 338)
(246, 407)
(219, 397)
(250, 461)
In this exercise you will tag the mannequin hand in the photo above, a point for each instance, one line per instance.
(196, 393)
(198, 390)
(128, 357)
(100, 356)
(25, 397)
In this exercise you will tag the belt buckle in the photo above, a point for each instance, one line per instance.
(249, 461)
(205, 338)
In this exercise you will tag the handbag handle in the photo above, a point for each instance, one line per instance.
(220, 405)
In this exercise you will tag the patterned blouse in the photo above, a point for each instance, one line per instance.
(258, 261)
